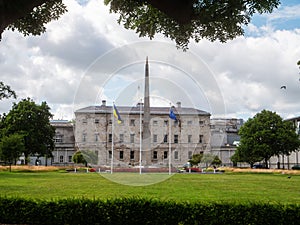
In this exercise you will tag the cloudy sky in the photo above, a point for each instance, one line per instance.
(86, 57)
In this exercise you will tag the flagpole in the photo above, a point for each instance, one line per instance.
(141, 137)
(170, 140)
(112, 139)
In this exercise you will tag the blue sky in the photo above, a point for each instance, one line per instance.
(284, 19)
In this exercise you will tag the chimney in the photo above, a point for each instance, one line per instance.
(103, 103)
(178, 105)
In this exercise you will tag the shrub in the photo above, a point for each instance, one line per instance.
(142, 211)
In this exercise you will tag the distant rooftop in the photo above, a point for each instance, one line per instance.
(103, 109)
(59, 121)
(294, 119)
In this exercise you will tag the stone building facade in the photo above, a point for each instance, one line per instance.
(190, 134)
(64, 141)
(224, 138)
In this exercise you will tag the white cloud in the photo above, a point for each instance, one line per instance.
(86, 56)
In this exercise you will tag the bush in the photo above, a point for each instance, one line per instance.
(142, 211)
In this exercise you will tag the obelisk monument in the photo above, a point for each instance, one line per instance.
(146, 156)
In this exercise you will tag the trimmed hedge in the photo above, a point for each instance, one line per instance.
(142, 211)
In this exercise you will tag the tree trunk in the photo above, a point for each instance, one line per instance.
(26, 159)
(266, 164)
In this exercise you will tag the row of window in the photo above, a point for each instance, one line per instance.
(58, 138)
(62, 158)
(132, 122)
(155, 155)
(132, 155)
(154, 138)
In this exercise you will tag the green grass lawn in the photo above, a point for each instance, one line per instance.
(237, 187)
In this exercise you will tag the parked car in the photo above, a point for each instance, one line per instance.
(193, 169)
(258, 166)
(296, 167)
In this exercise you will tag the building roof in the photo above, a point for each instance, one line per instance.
(103, 109)
(294, 119)
(61, 123)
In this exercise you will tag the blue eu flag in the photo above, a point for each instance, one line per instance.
(172, 115)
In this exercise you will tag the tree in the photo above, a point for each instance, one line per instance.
(242, 154)
(6, 91)
(90, 156)
(197, 19)
(217, 161)
(210, 159)
(264, 136)
(11, 148)
(176, 19)
(33, 122)
(196, 159)
(79, 158)
(29, 16)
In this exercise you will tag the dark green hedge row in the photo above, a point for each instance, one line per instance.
(142, 211)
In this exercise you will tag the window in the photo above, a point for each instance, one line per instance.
(61, 158)
(201, 122)
(176, 138)
(154, 138)
(110, 138)
(190, 154)
(132, 122)
(121, 154)
(189, 138)
(175, 155)
(109, 154)
(155, 122)
(110, 122)
(166, 138)
(166, 122)
(70, 158)
(165, 154)
(131, 138)
(121, 138)
(84, 137)
(84, 121)
(131, 154)
(58, 138)
(189, 122)
(96, 136)
(200, 138)
(154, 154)
(97, 121)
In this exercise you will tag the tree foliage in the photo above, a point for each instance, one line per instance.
(33, 122)
(176, 19)
(196, 159)
(266, 135)
(207, 158)
(86, 157)
(11, 147)
(29, 16)
(79, 158)
(6, 91)
(190, 19)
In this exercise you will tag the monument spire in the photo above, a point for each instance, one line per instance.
(146, 94)
(146, 129)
